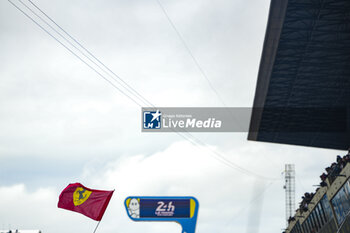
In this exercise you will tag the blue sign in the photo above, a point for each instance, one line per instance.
(152, 119)
(183, 210)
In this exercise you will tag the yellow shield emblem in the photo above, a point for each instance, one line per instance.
(80, 195)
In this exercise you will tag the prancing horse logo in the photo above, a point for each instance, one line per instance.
(80, 195)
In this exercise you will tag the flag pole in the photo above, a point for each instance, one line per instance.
(97, 226)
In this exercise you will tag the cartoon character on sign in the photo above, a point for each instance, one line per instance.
(134, 208)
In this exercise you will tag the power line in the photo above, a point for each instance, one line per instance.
(199, 67)
(97, 62)
(92, 55)
(192, 139)
(77, 56)
(195, 141)
(230, 163)
(223, 159)
(197, 64)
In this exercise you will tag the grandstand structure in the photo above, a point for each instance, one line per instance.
(303, 88)
(302, 98)
(328, 210)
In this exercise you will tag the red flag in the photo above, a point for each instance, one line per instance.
(89, 202)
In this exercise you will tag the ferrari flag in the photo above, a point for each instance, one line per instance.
(89, 202)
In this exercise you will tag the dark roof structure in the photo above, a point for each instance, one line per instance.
(303, 89)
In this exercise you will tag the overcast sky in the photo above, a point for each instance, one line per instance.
(61, 123)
